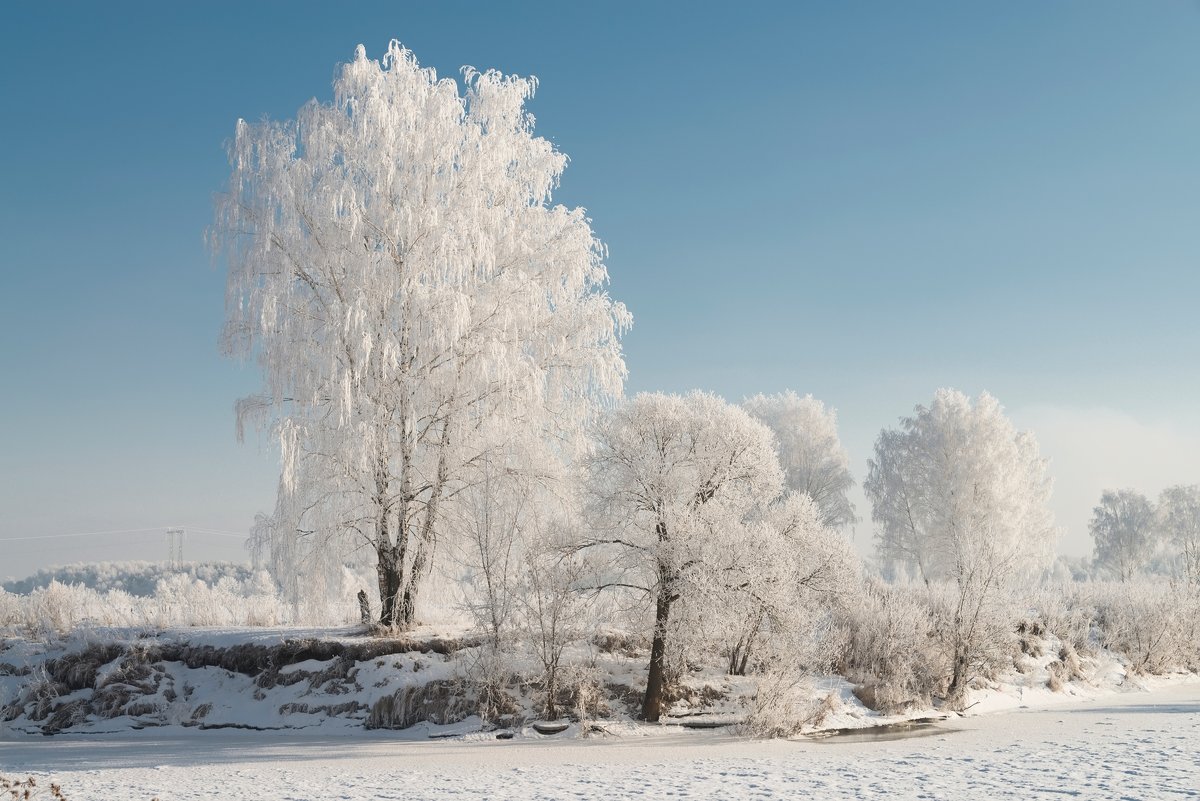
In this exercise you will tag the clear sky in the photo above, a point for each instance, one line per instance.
(861, 200)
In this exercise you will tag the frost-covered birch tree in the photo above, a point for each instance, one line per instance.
(813, 459)
(414, 298)
(672, 481)
(1124, 532)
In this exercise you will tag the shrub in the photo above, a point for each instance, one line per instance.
(890, 647)
(1153, 624)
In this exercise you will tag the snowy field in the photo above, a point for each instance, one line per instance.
(1134, 745)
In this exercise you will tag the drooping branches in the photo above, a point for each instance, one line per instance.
(414, 300)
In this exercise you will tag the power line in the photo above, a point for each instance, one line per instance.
(216, 533)
(209, 531)
(82, 534)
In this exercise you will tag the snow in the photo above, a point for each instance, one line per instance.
(308, 665)
(1138, 744)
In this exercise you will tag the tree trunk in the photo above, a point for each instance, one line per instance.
(652, 703)
(388, 572)
(551, 693)
(739, 657)
(958, 675)
(406, 611)
(389, 564)
(364, 608)
(406, 607)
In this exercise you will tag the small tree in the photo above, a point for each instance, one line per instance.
(1179, 522)
(787, 568)
(813, 460)
(486, 522)
(1123, 532)
(552, 607)
(672, 479)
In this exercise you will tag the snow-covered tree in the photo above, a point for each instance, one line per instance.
(788, 568)
(672, 481)
(488, 520)
(959, 496)
(957, 482)
(552, 610)
(1123, 531)
(1179, 523)
(813, 459)
(415, 301)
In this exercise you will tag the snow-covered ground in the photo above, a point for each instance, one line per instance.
(1139, 744)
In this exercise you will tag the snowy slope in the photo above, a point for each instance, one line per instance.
(1138, 745)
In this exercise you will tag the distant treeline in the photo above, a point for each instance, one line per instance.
(136, 578)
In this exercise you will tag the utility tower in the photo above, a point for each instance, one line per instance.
(174, 547)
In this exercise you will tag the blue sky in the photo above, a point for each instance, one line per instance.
(864, 201)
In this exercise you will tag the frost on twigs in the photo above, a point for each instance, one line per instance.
(784, 706)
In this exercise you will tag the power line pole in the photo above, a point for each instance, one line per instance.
(175, 547)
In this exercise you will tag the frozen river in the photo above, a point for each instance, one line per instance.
(1143, 745)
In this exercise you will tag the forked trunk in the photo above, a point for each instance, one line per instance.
(551, 695)
(389, 575)
(389, 562)
(406, 604)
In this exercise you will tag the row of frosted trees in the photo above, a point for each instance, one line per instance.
(1133, 535)
(443, 375)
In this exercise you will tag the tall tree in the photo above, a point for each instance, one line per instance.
(1123, 532)
(415, 301)
(813, 459)
(672, 482)
(957, 480)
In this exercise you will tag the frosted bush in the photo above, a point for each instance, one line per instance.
(58, 608)
(1153, 624)
(1065, 611)
(977, 630)
(782, 705)
(10, 610)
(890, 646)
